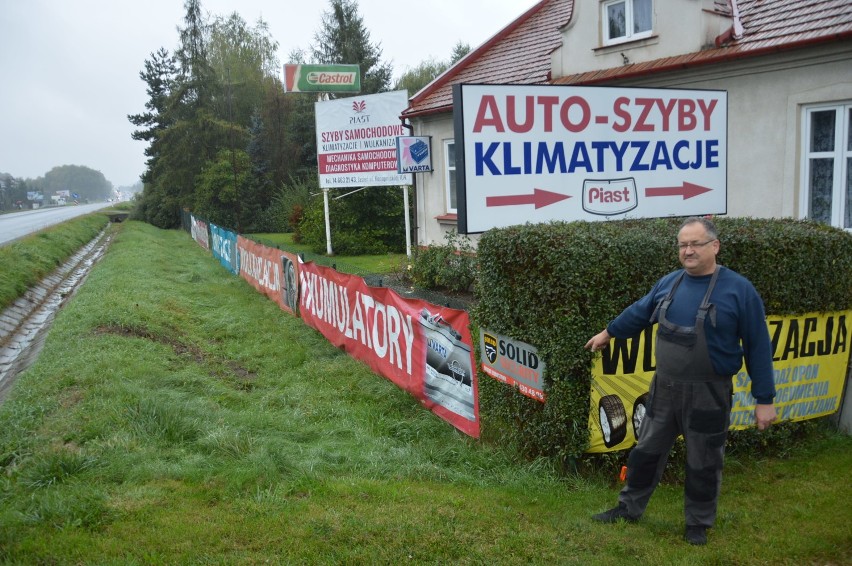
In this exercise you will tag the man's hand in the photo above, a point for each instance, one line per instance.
(598, 342)
(764, 415)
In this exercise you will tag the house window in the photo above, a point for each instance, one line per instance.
(827, 176)
(625, 20)
(450, 180)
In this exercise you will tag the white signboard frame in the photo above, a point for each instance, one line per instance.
(540, 153)
(356, 140)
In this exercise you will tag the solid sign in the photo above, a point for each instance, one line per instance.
(549, 152)
(513, 362)
(414, 154)
(356, 140)
(322, 78)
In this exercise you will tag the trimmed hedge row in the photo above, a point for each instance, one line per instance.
(555, 285)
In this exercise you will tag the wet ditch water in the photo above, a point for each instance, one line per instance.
(25, 323)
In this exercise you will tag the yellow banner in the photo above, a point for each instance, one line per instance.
(810, 359)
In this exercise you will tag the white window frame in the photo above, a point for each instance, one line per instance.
(630, 35)
(841, 202)
(449, 176)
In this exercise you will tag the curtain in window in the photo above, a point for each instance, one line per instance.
(641, 16)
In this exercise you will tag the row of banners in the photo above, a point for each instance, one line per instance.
(423, 348)
(427, 349)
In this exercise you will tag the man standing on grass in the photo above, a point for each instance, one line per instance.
(709, 319)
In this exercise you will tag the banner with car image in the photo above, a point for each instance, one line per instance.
(423, 348)
(271, 271)
(811, 355)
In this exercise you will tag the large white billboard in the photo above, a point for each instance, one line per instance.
(542, 153)
(356, 140)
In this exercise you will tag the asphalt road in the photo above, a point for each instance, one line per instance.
(16, 225)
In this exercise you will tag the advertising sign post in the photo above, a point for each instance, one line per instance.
(322, 78)
(357, 144)
(540, 153)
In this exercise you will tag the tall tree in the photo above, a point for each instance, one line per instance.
(460, 49)
(259, 190)
(343, 38)
(83, 181)
(192, 136)
(243, 60)
(415, 79)
(159, 75)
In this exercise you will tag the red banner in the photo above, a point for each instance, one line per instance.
(200, 232)
(271, 271)
(423, 348)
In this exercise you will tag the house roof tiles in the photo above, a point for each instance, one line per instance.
(520, 52)
(768, 26)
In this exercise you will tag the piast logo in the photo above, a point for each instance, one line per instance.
(490, 347)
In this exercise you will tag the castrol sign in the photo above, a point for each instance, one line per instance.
(542, 153)
(322, 78)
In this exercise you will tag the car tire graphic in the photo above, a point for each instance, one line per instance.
(613, 420)
(640, 409)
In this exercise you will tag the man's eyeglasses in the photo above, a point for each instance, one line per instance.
(693, 245)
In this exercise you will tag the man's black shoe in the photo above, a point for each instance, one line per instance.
(614, 514)
(696, 535)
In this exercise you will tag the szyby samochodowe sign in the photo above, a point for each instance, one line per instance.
(538, 153)
(357, 140)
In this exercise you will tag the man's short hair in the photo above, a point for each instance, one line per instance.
(704, 221)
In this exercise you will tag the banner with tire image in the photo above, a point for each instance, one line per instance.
(618, 407)
(811, 354)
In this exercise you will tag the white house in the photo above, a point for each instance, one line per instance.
(786, 66)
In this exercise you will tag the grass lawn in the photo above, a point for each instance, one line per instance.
(382, 263)
(177, 416)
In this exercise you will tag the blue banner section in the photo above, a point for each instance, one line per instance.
(224, 245)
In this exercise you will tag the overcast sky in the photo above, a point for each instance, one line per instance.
(69, 69)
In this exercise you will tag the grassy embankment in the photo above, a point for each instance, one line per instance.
(27, 261)
(178, 416)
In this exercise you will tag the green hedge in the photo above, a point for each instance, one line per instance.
(556, 285)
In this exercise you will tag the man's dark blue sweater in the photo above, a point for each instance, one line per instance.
(740, 330)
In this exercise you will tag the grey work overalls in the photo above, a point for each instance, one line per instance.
(687, 398)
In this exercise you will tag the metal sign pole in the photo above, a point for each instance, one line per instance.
(327, 223)
(407, 221)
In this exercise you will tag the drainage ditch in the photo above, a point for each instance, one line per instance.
(24, 324)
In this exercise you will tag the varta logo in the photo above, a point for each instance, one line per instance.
(436, 346)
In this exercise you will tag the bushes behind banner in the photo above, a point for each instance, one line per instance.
(556, 285)
(366, 222)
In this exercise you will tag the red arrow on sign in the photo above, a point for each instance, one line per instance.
(539, 198)
(687, 190)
